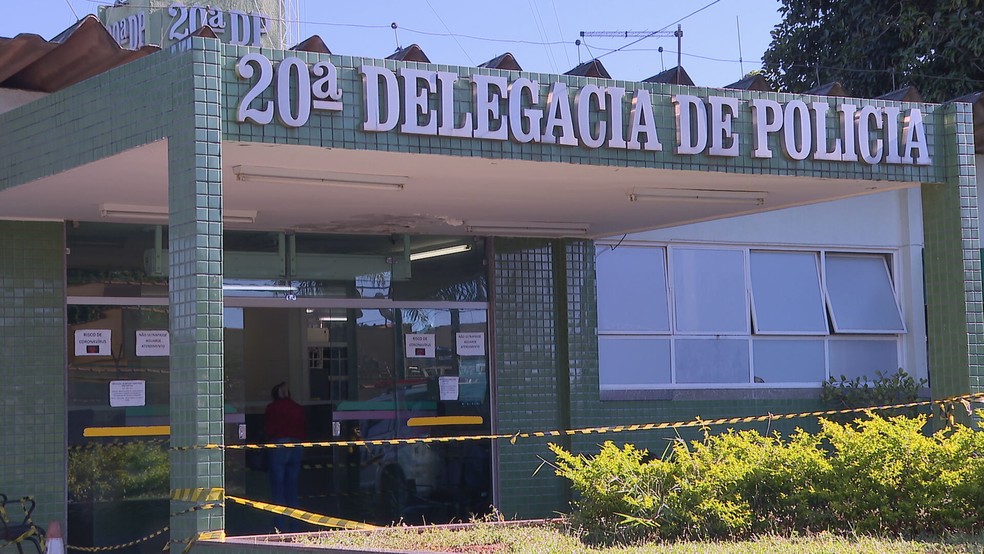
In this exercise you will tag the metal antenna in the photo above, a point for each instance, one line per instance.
(740, 61)
(679, 35)
(643, 35)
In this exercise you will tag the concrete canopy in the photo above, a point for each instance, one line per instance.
(442, 194)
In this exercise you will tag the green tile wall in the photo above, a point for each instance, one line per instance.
(32, 366)
(175, 95)
(195, 245)
(526, 368)
(953, 264)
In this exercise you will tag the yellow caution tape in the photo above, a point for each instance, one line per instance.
(964, 399)
(152, 535)
(314, 519)
(198, 495)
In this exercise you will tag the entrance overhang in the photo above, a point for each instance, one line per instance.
(440, 194)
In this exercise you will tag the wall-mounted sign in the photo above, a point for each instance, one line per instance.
(153, 343)
(131, 31)
(93, 342)
(470, 344)
(422, 102)
(178, 21)
(232, 26)
(127, 393)
(420, 346)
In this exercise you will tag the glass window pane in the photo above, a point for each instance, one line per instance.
(789, 361)
(860, 295)
(709, 291)
(632, 361)
(711, 361)
(632, 289)
(786, 295)
(862, 358)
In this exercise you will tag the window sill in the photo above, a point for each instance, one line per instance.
(811, 393)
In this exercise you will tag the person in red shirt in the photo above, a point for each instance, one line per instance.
(284, 422)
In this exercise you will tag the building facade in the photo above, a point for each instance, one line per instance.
(422, 250)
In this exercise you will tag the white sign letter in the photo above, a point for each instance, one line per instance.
(582, 103)
(486, 103)
(415, 102)
(371, 76)
(721, 129)
(525, 121)
(641, 121)
(691, 119)
(763, 125)
(559, 116)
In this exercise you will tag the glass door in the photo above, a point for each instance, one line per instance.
(370, 373)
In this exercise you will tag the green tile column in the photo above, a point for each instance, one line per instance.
(32, 363)
(531, 372)
(195, 244)
(953, 261)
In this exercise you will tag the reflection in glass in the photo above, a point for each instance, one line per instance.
(117, 487)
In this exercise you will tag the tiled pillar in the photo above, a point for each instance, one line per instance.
(953, 262)
(32, 363)
(195, 243)
(543, 339)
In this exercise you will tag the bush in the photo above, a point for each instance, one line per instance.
(887, 389)
(876, 476)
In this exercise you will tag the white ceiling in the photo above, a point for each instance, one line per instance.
(442, 193)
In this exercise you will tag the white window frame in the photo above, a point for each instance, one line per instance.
(893, 287)
(888, 255)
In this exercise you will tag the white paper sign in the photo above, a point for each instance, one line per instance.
(127, 393)
(420, 346)
(153, 343)
(449, 387)
(470, 344)
(93, 342)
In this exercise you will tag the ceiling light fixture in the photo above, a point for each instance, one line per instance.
(458, 248)
(755, 197)
(317, 177)
(159, 213)
(528, 229)
(333, 318)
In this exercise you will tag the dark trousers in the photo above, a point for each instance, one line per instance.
(284, 469)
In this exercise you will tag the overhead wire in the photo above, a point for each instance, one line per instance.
(560, 28)
(439, 18)
(538, 21)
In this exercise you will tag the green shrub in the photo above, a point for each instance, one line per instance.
(622, 492)
(876, 476)
(887, 389)
(118, 472)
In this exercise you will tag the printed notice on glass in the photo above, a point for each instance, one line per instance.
(127, 393)
(470, 344)
(449, 387)
(420, 346)
(153, 343)
(93, 342)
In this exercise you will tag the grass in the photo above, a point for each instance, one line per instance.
(492, 538)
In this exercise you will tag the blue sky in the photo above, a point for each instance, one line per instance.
(541, 34)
